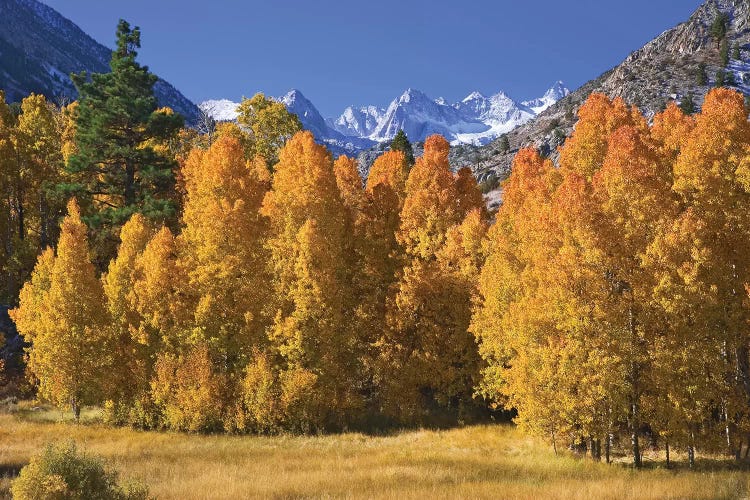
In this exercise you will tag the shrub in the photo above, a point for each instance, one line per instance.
(60, 472)
(261, 394)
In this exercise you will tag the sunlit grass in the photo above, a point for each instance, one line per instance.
(472, 462)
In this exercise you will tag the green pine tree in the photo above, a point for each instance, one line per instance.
(724, 53)
(724, 78)
(688, 104)
(117, 170)
(504, 144)
(719, 27)
(401, 143)
(736, 54)
(701, 75)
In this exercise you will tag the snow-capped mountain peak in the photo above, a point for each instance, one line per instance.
(476, 95)
(411, 94)
(554, 94)
(557, 91)
(358, 122)
(476, 119)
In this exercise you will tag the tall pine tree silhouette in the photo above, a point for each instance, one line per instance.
(116, 170)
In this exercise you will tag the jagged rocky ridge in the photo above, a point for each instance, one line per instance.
(474, 120)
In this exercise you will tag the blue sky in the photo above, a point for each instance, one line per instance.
(352, 52)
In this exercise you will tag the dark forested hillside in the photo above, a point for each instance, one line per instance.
(39, 49)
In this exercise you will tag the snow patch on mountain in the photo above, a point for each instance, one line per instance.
(221, 110)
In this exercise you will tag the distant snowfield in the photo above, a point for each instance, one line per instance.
(474, 120)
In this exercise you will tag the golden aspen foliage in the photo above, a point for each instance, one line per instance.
(613, 294)
(712, 267)
(427, 356)
(311, 334)
(67, 356)
(39, 144)
(429, 207)
(269, 124)
(468, 195)
(261, 395)
(128, 375)
(188, 391)
(599, 116)
(511, 324)
(222, 248)
(350, 184)
(356, 244)
(67, 127)
(670, 131)
(159, 297)
(390, 169)
(30, 315)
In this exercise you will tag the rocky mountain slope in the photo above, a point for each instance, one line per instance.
(39, 49)
(663, 70)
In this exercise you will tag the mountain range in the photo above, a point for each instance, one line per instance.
(474, 120)
(39, 49)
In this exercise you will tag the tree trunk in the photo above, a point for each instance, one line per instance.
(666, 449)
(9, 249)
(554, 441)
(636, 447)
(44, 221)
(635, 422)
(607, 447)
(21, 219)
(691, 450)
(76, 409)
(129, 185)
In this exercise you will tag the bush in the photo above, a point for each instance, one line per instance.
(60, 472)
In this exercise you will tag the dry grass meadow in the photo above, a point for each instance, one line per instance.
(490, 461)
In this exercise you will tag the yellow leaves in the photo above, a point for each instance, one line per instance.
(188, 391)
(266, 310)
(270, 123)
(158, 294)
(389, 169)
(68, 354)
(221, 246)
(118, 281)
(613, 282)
(29, 316)
(599, 116)
(430, 206)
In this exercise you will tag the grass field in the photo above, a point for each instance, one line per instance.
(492, 461)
